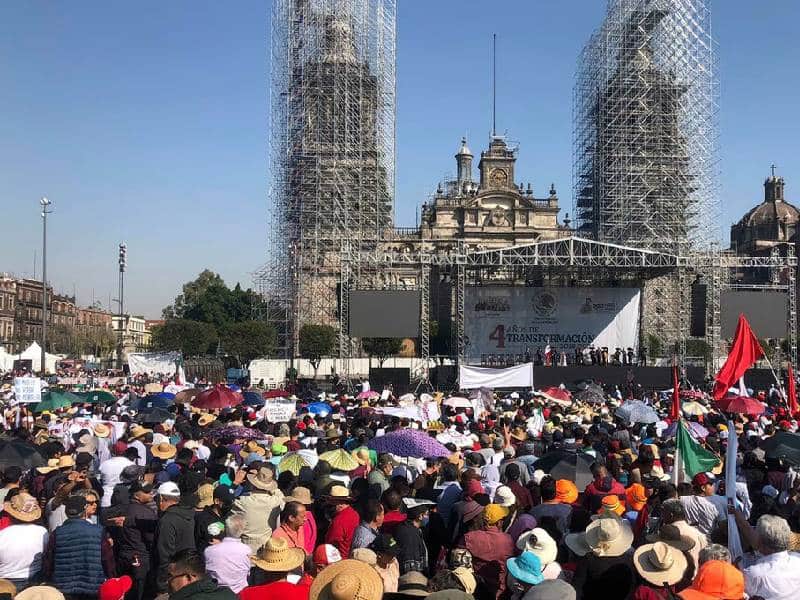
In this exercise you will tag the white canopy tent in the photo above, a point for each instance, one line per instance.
(34, 354)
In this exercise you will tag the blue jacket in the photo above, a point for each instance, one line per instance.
(77, 557)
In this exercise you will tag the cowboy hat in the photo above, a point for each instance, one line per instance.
(671, 535)
(138, 431)
(52, 465)
(102, 430)
(609, 536)
(540, 543)
(338, 493)
(252, 447)
(412, 583)
(660, 563)
(302, 495)
(519, 434)
(264, 479)
(164, 450)
(23, 507)
(277, 557)
(347, 580)
(206, 419)
(576, 542)
(361, 455)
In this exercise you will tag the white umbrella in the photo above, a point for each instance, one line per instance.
(457, 402)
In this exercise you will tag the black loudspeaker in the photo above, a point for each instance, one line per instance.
(697, 324)
(399, 379)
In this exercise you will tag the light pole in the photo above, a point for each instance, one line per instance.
(44, 203)
(123, 262)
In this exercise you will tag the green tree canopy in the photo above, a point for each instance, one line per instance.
(193, 338)
(248, 340)
(382, 347)
(316, 341)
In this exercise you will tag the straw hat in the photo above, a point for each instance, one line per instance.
(365, 555)
(338, 493)
(52, 465)
(66, 461)
(40, 592)
(138, 431)
(659, 563)
(277, 557)
(361, 455)
(519, 434)
(263, 480)
(540, 543)
(412, 583)
(302, 495)
(164, 450)
(23, 507)
(206, 419)
(6, 587)
(102, 430)
(671, 535)
(252, 447)
(347, 580)
(609, 536)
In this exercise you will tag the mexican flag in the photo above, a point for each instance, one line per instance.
(690, 457)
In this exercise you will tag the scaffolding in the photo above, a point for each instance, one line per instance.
(332, 154)
(645, 112)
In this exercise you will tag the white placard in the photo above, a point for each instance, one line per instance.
(27, 390)
(513, 321)
(278, 410)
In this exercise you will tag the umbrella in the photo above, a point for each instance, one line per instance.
(743, 405)
(149, 402)
(229, 433)
(457, 402)
(294, 461)
(556, 394)
(97, 396)
(693, 408)
(55, 399)
(593, 394)
(319, 408)
(369, 395)
(155, 415)
(409, 442)
(166, 395)
(698, 431)
(693, 394)
(186, 395)
(783, 445)
(16, 453)
(276, 394)
(636, 411)
(253, 398)
(341, 460)
(218, 396)
(567, 465)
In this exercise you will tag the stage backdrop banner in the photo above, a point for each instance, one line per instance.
(519, 320)
(470, 378)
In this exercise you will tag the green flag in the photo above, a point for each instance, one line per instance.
(694, 457)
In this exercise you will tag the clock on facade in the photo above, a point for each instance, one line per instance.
(498, 177)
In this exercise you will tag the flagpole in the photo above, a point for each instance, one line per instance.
(778, 381)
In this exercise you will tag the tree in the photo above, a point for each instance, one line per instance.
(192, 293)
(382, 347)
(249, 340)
(190, 337)
(316, 341)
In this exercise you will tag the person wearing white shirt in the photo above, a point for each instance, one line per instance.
(776, 576)
(702, 509)
(110, 472)
(22, 544)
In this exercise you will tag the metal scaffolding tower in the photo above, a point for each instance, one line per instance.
(645, 114)
(332, 155)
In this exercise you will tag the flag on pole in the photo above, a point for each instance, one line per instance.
(675, 412)
(734, 541)
(792, 392)
(690, 457)
(745, 351)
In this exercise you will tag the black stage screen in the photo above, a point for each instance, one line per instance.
(766, 311)
(384, 313)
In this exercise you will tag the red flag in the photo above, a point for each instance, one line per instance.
(675, 412)
(792, 392)
(744, 353)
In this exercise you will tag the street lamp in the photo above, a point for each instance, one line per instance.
(44, 203)
(123, 262)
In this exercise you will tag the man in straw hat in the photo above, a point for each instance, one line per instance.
(347, 580)
(606, 572)
(659, 566)
(273, 563)
(345, 520)
(22, 543)
(260, 505)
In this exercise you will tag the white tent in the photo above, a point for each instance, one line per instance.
(6, 360)
(34, 354)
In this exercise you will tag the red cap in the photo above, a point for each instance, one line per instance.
(118, 449)
(326, 554)
(115, 589)
(700, 480)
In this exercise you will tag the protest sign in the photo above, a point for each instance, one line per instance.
(27, 390)
(278, 410)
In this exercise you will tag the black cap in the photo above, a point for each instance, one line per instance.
(224, 493)
(385, 544)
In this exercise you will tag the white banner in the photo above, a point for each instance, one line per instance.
(27, 390)
(153, 362)
(470, 378)
(514, 321)
(278, 410)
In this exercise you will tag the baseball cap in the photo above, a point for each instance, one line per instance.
(326, 554)
(701, 479)
(115, 589)
(169, 488)
(715, 579)
(224, 493)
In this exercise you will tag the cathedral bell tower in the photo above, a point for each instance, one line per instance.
(497, 165)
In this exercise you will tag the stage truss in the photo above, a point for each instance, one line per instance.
(574, 262)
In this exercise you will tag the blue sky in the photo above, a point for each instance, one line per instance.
(146, 122)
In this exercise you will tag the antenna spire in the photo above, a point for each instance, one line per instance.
(494, 85)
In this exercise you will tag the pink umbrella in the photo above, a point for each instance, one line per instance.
(368, 395)
(218, 396)
(743, 405)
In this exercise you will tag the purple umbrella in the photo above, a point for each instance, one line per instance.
(698, 431)
(409, 442)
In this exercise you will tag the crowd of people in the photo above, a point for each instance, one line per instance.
(524, 499)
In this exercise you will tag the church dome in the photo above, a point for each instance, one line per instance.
(770, 212)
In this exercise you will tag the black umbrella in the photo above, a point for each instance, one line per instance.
(593, 394)
(155, 415)
(16, 453)
(562, 464)
(783, 445)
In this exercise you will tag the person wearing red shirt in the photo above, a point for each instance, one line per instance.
(273, 563)
(602, 486)
(392, 515)
(345, 521)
